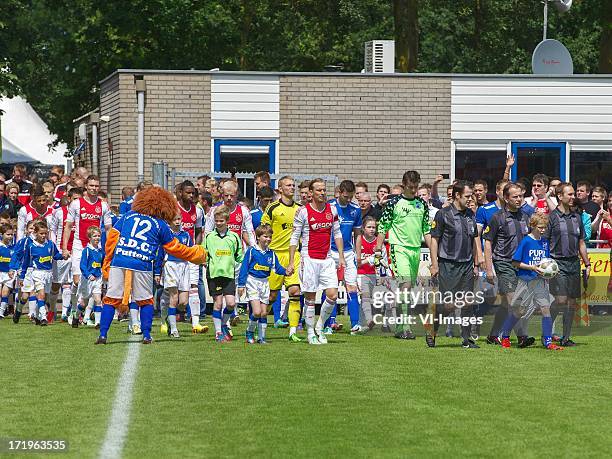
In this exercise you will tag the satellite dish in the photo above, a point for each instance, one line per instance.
(562, 6)
(551, 57)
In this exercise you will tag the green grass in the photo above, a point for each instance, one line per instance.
(358, 396)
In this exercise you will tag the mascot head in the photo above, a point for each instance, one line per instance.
(156, 202)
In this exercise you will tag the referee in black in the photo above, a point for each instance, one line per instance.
(501, 237)
(565, 233)
(455, 255)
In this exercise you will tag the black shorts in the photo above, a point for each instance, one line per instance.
(456, 276)
(567, 282)
(506, 276)
(221, 286)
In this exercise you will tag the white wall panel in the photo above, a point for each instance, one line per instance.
(245, 107)
(499, 110)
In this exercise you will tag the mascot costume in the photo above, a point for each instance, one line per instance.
(131, 248)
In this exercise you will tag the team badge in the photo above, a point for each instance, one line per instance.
(433, 224)
(486, 230)
(193, 218)
(239, 218)
(328, 216)
(98, 210)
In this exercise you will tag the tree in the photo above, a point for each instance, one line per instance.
(405, 16)
(605, 47)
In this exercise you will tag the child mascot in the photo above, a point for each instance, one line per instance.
(131, 248)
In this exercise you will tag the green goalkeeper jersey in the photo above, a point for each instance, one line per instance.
(224, 251)
(406, 220)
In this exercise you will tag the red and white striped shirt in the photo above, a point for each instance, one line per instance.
(56, 227)
(240, 222)
(26, 214)
(192, 219)
(84, 214)
(316, 228)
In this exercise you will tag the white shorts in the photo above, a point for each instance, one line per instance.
(142, 284)
(62, 271)
(88, 288)
(317, 275)
(194, 274)
(76, 261)
(6, 280)
(530, 296)
(176, 274)
(350, 272)
(41, 280)
(28, 282)
(258, 289)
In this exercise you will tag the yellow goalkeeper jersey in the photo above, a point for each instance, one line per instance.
(280, 217)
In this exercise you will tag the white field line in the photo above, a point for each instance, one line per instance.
(117, 430)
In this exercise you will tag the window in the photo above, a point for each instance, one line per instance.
(245, 156)
(593, 166)
(480, 165)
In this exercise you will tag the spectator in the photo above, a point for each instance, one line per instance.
(305, 195)
(265, 196)
(367, 209)
(54, 179)
(6, 205)
(480, 192)
(539, 192)
(261, 179)
(583, 192)
(424, 192)
(12, 192)
(19, 174)
(360, 187)
(599, 197)
(201, 183)
(382, 191)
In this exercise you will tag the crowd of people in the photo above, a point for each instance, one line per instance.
(57, 235)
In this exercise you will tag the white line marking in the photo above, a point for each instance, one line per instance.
(117, 430)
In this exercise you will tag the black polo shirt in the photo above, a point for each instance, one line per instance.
(374, 212)
(455, 231)
(505, 231)
(564, 233)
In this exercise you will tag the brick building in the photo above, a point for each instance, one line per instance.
(360, 126)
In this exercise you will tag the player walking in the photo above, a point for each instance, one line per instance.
(406, 218)
(280, 216)
(315, 224)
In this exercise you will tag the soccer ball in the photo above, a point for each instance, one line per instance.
(550, 268)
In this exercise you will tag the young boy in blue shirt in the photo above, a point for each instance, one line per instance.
(259, 261)
(25, 293)
(90, 285)
(7, 283)
(39, 255)
(532, 289)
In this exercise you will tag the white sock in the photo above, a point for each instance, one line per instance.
(73, 295)
(217, 324)
(326, 310)
(252, 325)
(194, 304)
(292, 330)
(66, 294)
(261, 328)
(97, 316)
(87, 315)
(172, 322)
(33, 307)
(3, 307)
(134, 320)
(309, 315)
(116, 316)
(42, 312)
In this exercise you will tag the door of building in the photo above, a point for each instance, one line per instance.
(538, 158)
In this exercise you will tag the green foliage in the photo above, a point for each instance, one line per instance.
(56, 51)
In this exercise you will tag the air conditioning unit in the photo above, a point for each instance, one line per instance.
(380, 56)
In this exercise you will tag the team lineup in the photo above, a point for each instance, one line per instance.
(110, 264)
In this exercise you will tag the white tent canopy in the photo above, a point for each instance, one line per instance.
(25, 136)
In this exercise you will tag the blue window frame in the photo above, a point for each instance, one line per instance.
(561, 147)
(271, 144)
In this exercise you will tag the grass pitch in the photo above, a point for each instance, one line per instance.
(358, 396)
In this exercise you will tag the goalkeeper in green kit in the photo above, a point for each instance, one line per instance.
(406, 219)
